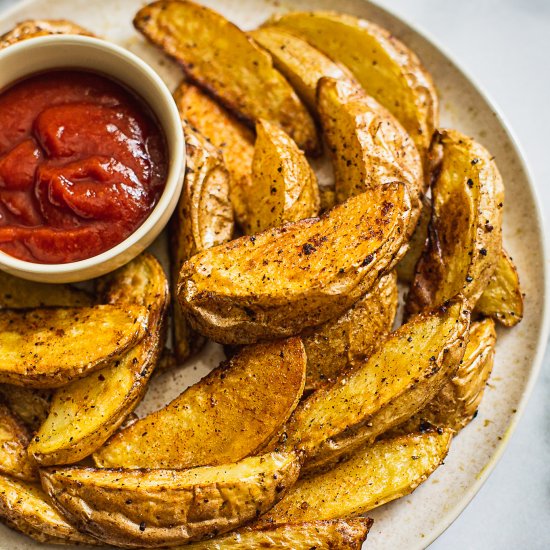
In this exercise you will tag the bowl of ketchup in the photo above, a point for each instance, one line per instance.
(92, 157)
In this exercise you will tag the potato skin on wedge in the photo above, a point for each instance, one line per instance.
(367, 145)
(226, 416)
(47, 348)
(229, 135)
(301, 64)
(203, 218)
(283, 280)
(319, 535)
(343, 341)
(457, 402)
(26, 508)
(465, 239)
(222, 59)
(284, 186)
(31, 405)
(149, 508)
(387, 70)
(86, 412)
(502, 299)
(403, 374)
(374, 475)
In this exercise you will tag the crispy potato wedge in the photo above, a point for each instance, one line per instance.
(31, 405)
(226, 416)
(25, 507)
(374, 475)
(40, 27)
(406, 267)
(203, 218)
(457, 402)
(14, 440)
(284, 280)
(348, 339)
(222, 59)
(16, 293)
(284, 186)
(367, 145)
(299, 62)
(387, 70)
(47, 348)
(502, 298)
(465, 239)
(231, 137)
(86, 412)
(328, 197)
(315, 535)
(400, 377)
(149, 508)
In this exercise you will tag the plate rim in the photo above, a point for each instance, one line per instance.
(544, 330)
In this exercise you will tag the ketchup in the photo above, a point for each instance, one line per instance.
(82, 164)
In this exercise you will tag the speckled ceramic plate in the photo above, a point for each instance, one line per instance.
(416, 520)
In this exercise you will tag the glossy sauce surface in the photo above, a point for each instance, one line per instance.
(82, 164)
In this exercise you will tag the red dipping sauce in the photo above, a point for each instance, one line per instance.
(82, 164)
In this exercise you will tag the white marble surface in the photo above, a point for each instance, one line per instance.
(504, 45)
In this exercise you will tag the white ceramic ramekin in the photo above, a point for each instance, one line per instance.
(82, 52)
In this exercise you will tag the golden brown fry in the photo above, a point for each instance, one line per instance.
(387, 70)
(224, 131)
(465, 240)
(149, 508)
(301, 64)
(374, 475)
(348, 339)
(47, 348)
(284, 280)
(399, 378)
(222, 59)
(40, 27)
(203, 218)
(328, 197)
(31, 405)
(284, 186)
(457, 402)
(315, 535)
(14, 440)
(502, 299)
(226, 416)
(86, 412)
(25, 507)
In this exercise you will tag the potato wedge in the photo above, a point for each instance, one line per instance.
(231, 137)
(47, 348)
(25, 507)
(283, 280)
(328, 197)
(367, 145)
(284, 186)
(299, 62)
(400, 377)
(457, 402)
(315, 535)
(406, 267)
(203, 218)
(222, 59)
(374, 475)
(14, 440)
(86, 412)
(31, 405)
(387, 70)
(465, 238)
(348, 339)
(149, 508)
(16, 293)
(226, 416)
(40, 27)
(502, 298)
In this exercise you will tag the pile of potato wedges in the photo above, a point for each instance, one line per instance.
(326, 406)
